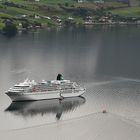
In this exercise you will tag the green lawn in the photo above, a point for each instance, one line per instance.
(17, 11)
(127, 12)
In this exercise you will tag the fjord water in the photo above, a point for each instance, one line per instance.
(103, 59)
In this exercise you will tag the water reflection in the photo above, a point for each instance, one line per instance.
(43, 107)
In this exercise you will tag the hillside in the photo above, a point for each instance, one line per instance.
(57, 12)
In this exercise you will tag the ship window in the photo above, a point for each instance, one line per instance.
(21, 86)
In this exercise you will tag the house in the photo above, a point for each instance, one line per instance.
(99, 1)
(94, 1)
(23, 16)
(57, 19)
(130, 2)
(46, 17)
(37, 17)
(70, 18)
(81, 1)
(134, 2)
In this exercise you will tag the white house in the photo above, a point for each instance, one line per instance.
(99, 1)
(80, 1)
(37, 17)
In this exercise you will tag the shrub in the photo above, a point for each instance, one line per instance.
(25, 25)
(35, 24)
(66, 4)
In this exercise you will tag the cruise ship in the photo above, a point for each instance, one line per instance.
(31, 90)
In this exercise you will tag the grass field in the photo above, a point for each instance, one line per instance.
(127, 12)
(33, 7)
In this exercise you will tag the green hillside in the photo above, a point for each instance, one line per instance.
(46, 12)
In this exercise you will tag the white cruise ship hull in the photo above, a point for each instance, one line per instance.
(15, 96)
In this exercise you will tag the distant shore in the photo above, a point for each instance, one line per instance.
(34, 29)
(32, 15)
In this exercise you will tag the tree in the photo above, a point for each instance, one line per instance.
(66, 4)
(9, 29)
(25, 24)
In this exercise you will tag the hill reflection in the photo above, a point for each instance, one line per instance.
(55, 106)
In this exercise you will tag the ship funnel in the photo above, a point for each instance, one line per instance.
(59, 77)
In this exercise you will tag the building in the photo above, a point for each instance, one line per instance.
(94, 1)
(130, 2)
(134, 2)
(80, 1)
(99, 1)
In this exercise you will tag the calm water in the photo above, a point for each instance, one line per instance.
(105, 60)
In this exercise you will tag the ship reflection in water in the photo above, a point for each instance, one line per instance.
(56, 106)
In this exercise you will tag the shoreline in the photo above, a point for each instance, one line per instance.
(62, 26)
(73, 25)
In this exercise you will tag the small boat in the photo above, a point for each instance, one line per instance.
(31, 90)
